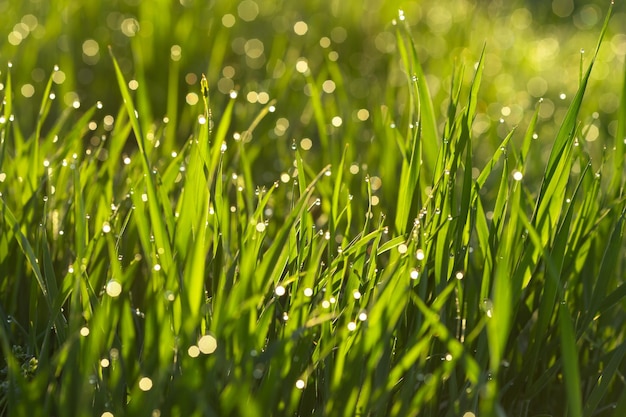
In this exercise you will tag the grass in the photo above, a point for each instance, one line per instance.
(233, 273)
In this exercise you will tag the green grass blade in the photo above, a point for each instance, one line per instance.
(157, 223)
(604, 380)
(570, 362)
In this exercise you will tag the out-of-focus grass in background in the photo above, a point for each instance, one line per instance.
(320, 240)
(533, 50)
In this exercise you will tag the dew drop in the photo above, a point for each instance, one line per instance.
(145, 384)
(193, 351)
(207, 344)
(488, 307)
(280, 290)
(113, 288)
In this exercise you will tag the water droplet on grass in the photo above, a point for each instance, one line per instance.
(280, 290)
(193, 351)
(487, 307)
(113, 288)
(207, 344)
(145, 384)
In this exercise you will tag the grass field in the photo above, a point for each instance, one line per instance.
(327, 208)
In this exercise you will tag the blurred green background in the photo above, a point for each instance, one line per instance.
(533, 51)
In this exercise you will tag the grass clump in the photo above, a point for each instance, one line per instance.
(142, 277)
